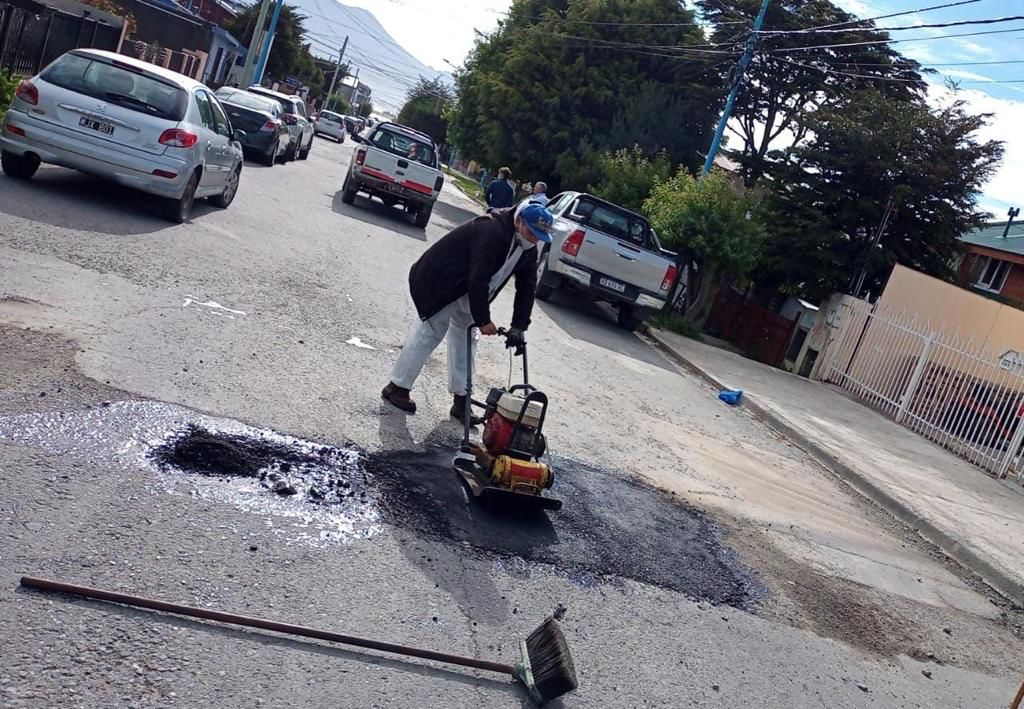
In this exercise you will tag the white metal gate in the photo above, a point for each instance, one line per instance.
(961, 396)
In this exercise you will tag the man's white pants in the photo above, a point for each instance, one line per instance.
(424, 337)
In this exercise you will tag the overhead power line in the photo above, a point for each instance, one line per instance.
(892, 41)
(954, 23)
(895, 14)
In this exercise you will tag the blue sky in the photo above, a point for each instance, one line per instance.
(442, 31)
(1005, 101)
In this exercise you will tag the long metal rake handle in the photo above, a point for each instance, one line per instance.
(235, 619)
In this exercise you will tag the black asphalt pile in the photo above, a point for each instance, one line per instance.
(322, 474)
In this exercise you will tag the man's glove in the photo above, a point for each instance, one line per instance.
(515, 338)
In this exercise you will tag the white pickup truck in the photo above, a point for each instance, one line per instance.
(607, 252)
(398, 165)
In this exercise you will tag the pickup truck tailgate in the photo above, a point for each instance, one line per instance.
(408, 173)
(622, 262)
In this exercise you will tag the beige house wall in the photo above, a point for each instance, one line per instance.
(952, 310)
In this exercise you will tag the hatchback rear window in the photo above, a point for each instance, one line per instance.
(123, 85)
(246, 100)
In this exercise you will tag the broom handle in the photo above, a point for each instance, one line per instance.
(234, 619)
(1020, 697)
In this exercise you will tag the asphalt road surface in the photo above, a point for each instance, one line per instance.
(700, 560)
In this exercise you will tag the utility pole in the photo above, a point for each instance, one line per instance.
(337, 68)
(262, 64)
(353, 105)
(1014, 212)
(741, 70)
(251, 57)
(858, 283)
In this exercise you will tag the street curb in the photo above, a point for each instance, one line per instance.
(994, 577)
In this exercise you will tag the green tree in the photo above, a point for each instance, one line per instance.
(8, 84)
(338, 103)
(715, 229)
(627, 176)
(828, 199)
(288, 55)
(783, 88)
(425, 108)
(365, 109)
(561, 82)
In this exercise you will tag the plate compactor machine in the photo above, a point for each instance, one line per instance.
(506, 465)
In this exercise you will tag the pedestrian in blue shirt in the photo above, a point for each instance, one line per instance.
(500, 193)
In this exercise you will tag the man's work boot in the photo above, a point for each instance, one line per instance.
(459, 411)
(399, 398)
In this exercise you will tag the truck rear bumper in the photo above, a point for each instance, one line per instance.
(382, 184)
(589, 281)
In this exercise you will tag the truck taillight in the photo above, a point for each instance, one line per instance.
(670, 277)
(360, 156)
(178, 138)
(574, 242)
(27, 92)
(438, 183)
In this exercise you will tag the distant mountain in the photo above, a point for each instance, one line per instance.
(383, 64)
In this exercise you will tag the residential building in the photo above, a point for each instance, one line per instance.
(354, 91)
(994, 262)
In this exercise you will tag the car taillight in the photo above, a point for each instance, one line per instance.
(574, 242)
(15, 130)
(360, 156)
(438, 183)
(291, 119)
(27, 92)
(670, 277)
(178, 138)
(270, 125)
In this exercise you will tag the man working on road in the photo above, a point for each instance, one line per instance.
(500, 193)
(452, 286)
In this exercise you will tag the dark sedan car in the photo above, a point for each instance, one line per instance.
(266, 135)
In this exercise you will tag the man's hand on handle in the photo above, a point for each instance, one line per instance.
(489, 329)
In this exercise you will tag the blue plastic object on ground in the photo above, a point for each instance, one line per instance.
(731, 396)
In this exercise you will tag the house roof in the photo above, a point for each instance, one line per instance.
(990, 236)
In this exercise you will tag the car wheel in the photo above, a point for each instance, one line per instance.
(423, 215)
(20, 167)
(547, 283)
(303, 154)
(630, 318)
(289, 153)
(271, 155)
(225, 198)
(348, 194)
(179, 210)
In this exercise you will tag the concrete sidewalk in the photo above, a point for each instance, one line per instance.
(975, 519)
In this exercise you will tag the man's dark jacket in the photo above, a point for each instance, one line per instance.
(464, 261)
(500, 194)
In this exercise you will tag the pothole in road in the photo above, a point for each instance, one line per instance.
(610, 525)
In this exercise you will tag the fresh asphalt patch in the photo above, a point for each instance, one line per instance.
(611, 526)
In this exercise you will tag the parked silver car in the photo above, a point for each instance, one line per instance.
(297, 120)
(128, 121)
(332, 124)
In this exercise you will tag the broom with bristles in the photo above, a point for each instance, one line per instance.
(546, 668)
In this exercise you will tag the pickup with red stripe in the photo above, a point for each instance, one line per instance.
(399, 166)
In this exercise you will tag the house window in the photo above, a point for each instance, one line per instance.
(993, 274)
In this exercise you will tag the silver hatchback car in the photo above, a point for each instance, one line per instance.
(128, 121)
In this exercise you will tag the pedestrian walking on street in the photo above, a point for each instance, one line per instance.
(500, 193)
(452, 286)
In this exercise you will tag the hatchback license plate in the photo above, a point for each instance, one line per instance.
(612, 285)
(104, 128)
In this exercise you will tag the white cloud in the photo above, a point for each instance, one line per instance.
(973, 50)
(1004, 189)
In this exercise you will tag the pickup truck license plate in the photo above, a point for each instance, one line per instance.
(612, 285)
(104, 128)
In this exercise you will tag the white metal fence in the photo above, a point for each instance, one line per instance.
(960, 395)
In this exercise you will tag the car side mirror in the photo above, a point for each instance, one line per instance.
(238, 135)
